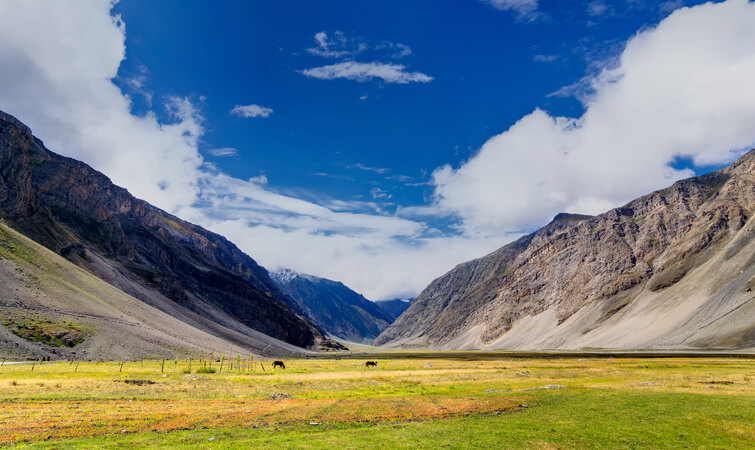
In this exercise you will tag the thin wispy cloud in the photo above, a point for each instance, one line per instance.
(336, 46)
(597, 8)
(362, 72)
(379, 194)
(545, 58)
(523, 8)
(333, 175)
(396, 49)
(378, 170)
(341, 47)
(251, 111)
(224, 151)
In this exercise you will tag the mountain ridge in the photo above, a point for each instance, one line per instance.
(78, 213)
(338, 309)
(618, 259)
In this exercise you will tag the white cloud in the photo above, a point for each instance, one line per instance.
(336, 46)
(597, 8)
(683, 88)
(378, 170)
(378, 193)
(57, 60)
(545, 58)
(398, 49)
(223, 151)
(361, 72)
(381, 256)
(522, 7)
(669, 6)
(59, 82)
(253, 111)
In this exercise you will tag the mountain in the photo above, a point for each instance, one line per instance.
(50, 308)
(176, 267)
(671, 270)
(393, 308)
(337, 309)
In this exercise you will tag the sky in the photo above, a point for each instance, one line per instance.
(382, 143)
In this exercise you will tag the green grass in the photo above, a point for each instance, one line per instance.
(37, 328)
(573, 419)
(409, 402)
(171, 223)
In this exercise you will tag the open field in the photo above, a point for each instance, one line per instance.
(406, 402)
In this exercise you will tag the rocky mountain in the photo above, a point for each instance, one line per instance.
(339, 310)
(176, 267)
(671, 270)
(394, 308)
(51, 308)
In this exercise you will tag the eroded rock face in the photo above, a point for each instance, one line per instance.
(77, 212)
(649, 244)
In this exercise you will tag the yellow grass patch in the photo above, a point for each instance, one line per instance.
(32, 421)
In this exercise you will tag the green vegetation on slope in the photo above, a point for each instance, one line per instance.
(34, 327)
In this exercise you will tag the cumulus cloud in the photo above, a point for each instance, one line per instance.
(60, 82)
(57, 60)
(361, 72)
(681, 89)
(251, 111)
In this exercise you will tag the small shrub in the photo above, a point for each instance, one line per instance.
(205, 370)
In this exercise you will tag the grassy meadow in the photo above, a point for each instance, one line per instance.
(409, 401)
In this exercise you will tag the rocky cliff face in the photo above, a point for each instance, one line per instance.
(77, 212)
(337, 309)
(673, 264)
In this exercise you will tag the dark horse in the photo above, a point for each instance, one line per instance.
(371, 364)
(278, 364)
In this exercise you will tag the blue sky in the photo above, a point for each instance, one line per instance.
(382, 143)
(488, 67)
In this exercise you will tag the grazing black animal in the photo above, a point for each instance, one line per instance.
(278, 364)
(371, 364)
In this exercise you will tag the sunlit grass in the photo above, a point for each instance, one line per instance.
(105, 403)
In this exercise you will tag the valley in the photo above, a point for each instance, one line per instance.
(451, 399)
